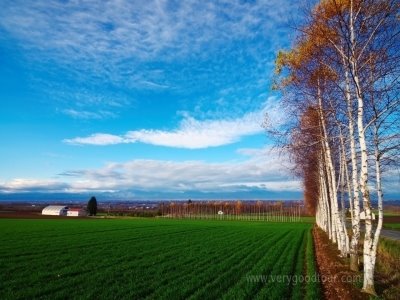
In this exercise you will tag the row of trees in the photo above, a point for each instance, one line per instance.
(238, 210)
(340, 83)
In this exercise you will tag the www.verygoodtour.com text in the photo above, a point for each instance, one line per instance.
(295, 279)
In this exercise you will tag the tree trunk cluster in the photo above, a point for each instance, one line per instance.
(340, 82)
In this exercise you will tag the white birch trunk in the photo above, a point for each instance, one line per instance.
(380, 213)
(379, 190)
(325, 197)
(355, 200)
(368, 250)
(343, 206)
(339, 227)
(343, 180)
(332, 228)
(369, 255)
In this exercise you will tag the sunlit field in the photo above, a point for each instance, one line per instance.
(155, 259)
(393, 226)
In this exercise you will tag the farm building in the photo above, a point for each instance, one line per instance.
(55, 210)
(76, 212)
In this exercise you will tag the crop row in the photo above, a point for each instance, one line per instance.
(152, 259)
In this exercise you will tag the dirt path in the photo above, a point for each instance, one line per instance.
(337, 280)
(391, 234)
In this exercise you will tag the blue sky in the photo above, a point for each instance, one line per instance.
(142, 99)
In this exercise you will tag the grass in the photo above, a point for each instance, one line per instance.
(387, 213)
(393, 226)
(226, 217)
(390, 248)
(313, 288)
(154, 259)
(388, 266)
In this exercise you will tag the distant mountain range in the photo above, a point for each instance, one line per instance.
(153, 196)
(161, 196)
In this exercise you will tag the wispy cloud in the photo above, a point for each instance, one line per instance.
(89, 115)
(152, 45)
(191, 133)
(139, 29)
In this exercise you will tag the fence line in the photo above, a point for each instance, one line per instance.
(220, 210)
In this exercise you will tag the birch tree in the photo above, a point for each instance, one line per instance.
(311, 82)
(366, 39)
(347, 56)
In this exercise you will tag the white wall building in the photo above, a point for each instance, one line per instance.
(76, 212)
(55, 210)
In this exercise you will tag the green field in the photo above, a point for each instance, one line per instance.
(393, 226)
(155, 259)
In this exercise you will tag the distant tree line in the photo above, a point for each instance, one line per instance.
(240, 210)
(136, 213)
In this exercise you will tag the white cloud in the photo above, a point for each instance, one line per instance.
(194, 134)
(88, 115)
(191, 133)
(278, 186)
(265, 172)
(98, 139)
(32, 185)
(252, 151)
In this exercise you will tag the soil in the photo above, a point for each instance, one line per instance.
(337, 281)
(391, 219)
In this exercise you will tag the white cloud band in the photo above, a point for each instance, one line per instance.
(191, 133)
(260, 172)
